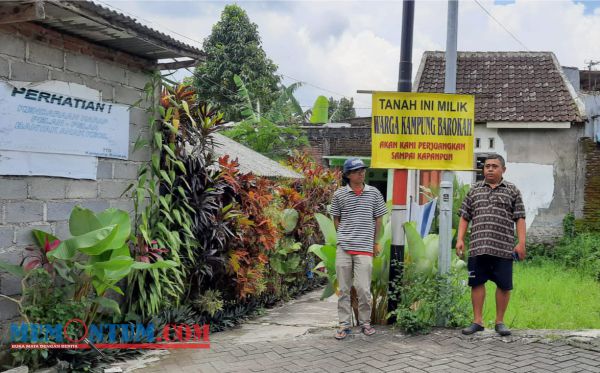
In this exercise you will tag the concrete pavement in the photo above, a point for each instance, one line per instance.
(298, 337)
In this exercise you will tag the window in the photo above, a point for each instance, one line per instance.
(491, 139)
(479, 161)
(477, 143)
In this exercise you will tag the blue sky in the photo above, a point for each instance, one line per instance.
(590, 6)
(338, 47)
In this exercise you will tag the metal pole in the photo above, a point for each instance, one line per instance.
(448, 176)
(405, 74)
(401, 176)
(451, 42)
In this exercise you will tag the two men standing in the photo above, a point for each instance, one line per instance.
(493, 207)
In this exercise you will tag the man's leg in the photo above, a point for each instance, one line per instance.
(478, 275)
(502, 298)
(343, 269)
(503, 278)
(477, 299)
(363, 267)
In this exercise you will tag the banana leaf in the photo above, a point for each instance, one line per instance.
(320, 110)
(327, 229)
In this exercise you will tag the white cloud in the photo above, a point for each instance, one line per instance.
(344, 46)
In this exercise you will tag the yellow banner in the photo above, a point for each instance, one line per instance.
(424, 131)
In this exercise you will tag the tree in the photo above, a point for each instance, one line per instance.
(342, 109)
(234, 48)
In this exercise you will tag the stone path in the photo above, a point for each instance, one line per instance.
(298, 337)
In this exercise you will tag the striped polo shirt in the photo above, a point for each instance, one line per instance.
(357, 213)
(492, 213)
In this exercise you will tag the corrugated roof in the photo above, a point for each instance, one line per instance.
(508, 86)
(112, 29)
(251, 161)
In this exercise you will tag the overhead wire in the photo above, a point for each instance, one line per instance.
(501, 25)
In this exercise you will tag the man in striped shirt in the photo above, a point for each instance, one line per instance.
(357, 211)
(493, 206)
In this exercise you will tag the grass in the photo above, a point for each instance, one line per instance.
(548, 296)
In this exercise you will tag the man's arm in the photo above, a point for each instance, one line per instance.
(460, 240)
(378, 225)
(521, 233)
(336, 222)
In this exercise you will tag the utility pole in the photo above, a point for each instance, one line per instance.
(399, 200)
(446, 187)
(591, 64)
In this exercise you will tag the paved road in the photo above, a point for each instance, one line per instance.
(298, 337)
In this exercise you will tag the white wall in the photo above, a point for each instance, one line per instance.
(535, 181)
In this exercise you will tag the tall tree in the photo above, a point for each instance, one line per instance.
(342, 109)
(234, 48)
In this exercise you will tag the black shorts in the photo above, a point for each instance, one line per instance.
(487, 267)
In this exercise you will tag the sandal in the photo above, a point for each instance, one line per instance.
(342, 333)
(367, 329)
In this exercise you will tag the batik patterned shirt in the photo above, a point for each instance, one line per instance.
(492, 213)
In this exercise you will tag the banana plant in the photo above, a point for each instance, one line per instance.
(261, 131)
(326, 253)
(320, 110)
(381, 272)
(422, 253)
(99, 249)
(95, 258)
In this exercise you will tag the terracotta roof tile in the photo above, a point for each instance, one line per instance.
(508, 86)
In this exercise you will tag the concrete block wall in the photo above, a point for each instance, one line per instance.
(326, 141)
(30, 52)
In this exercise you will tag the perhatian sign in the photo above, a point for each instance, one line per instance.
(425, 131)
(35, 120)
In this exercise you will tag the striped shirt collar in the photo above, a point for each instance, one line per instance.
(365, 189)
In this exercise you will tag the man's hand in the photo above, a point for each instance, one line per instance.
(460, 248)
(460, 243)
(376, 249)
(521, 251)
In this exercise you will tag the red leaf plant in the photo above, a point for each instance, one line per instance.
(37, 256)
(256, 232)
(148, 253)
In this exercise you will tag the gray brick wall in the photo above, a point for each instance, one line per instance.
(13, 189)
(46, 55)
(45, 203)
(27, 72)
(81, 64)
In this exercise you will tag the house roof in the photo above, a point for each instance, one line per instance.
(112, 29)
(250, 160)
(508, 86)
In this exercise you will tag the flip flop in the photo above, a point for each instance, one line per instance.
(368, 329)
(342, 333)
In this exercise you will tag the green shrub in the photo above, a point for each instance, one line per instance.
(569, 225)
(210, 302)
(426, 301)
(581, 252)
